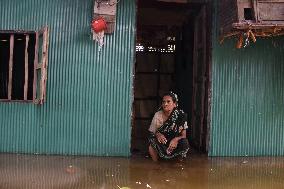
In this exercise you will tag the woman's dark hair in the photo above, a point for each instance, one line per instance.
(173, 95)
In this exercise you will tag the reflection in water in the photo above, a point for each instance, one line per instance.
(198, 172)
(247, 172)
(56, 172)
(190, 174)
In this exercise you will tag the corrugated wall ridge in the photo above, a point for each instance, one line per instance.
(248, 97)
(89, 93)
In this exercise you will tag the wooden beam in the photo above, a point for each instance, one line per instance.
(40, 66)
(256, 26)
(11, 67)
(44, 65)
(35, 67)
(16, 32)
(26, 68)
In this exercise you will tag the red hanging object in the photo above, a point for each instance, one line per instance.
(99, 25)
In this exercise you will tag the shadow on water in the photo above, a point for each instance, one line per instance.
(60, 172)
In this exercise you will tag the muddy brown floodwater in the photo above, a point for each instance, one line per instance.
(18, 171)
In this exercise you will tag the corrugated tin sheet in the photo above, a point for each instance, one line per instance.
(248, 98)
(89, 93)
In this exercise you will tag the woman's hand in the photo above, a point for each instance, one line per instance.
(161, 138)
(172, 146)
(173, 143)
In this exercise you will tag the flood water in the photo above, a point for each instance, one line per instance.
(62, 172)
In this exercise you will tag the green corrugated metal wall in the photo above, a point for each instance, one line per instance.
(247, 97)
(89, 94)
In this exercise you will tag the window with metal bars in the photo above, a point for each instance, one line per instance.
(23, 65)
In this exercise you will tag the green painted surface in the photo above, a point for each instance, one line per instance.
(247, 98)
(89, 94)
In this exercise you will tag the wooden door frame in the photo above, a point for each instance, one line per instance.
(204, 136)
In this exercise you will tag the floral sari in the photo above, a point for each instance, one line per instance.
(171, 128)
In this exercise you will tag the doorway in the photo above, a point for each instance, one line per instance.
(172, 54)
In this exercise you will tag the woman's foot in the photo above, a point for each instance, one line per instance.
(153, 154)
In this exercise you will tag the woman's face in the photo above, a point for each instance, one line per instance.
(168, 104)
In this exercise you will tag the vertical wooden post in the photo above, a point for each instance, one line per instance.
(199, 78)
(26, 68)
(11, 67)
(44, 65)
(40, 66)
(254, 3)
(35, 67)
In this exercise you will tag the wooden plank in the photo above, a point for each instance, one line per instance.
(270, 1)
(46, 60)
(35, 67)
(16, 32)
(11, 67)
(270, 11)
(38, 66)
(22, 101)
(254, 4)
(256, 26)
(228, 14)
(44, 63)
(241, 6)
(26, 68)
(198, 81)
(42, 66)
(108, 8)
(202, 75)
(194, 73)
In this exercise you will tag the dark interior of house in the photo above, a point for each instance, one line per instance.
(18, 68)
(4, 66)
(164, 62)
